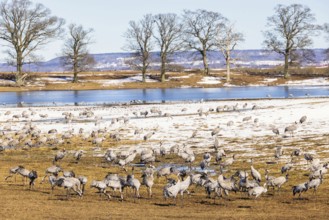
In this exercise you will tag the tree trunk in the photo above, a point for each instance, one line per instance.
(75, 77)
(286, 66)
(163, 68)
(228, 70)
(143, 73)
(75, 72)
(228, 63)
(205, 63)
(20, 80)
(19, 77)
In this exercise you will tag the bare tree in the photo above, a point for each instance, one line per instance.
(326, 31)
(200, 30)
(228, 39)
(290, 29)
(139, 40)
(25, 27)
(75, 52)
(168, 37)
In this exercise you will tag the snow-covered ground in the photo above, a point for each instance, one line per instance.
(210, 80)
(316, 81)
(137, 78)
(243, 125)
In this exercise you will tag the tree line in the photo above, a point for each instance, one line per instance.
(25, 27)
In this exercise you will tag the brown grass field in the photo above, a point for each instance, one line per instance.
(19, 202)
(239, 77)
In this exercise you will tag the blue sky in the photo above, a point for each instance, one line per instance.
(109, 18)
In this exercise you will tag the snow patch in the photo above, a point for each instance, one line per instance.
(210, 80)
(137, 78)
(315, 81)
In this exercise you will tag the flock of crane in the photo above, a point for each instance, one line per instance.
(178, 178)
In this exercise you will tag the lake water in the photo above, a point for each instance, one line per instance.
(39, 98)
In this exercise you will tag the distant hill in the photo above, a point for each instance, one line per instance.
(187, 60)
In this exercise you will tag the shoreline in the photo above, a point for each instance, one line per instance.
(119, 81)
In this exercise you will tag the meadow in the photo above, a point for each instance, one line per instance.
(245, 139)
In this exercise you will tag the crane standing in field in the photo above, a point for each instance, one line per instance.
(59, 155)
(254, 173)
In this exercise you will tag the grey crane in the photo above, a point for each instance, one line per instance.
(144, 113)
(69, 173)
(315, 183)
(299, 189)
(302, 119)
(23, 172)
(291, 129)
(148, 179)
(110, 155)
(288, 166)
(12, 172)
(166, 171)
(163, 151)
(296, 152)
(257, 191)
(78, 154)
(278, 182)
(215, 131)
(185, 184)
(229, 123)
(229, 161)
(83, 180)
(219, 155)
(203, 164)
(68, 183)
(53, 170)
(308, 157)
(98, 141)
(148, 136)
(116, 184)
(147, 156)
(210, 186)
(248, 118)
(276, 131)
(207, 157)
(267, 177)
(255, 174)
(278, 152)
(319, 171)
(194, 133)
(33, 175)
(134, 183)
(245, 184)
(171, 190)
(216, 143)
(59, 155)
(101, 186)
(127, 160)
(227, 184)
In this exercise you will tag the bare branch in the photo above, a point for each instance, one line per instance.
(75, 52)
(227, 40)
(289, 29)
(25, 27)
(200, 30)
(168, 37)
(139, 40)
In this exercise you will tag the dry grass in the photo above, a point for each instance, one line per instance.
(240, 77)
(18, 202)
